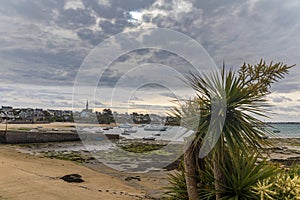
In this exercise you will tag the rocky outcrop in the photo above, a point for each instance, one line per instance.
(72, 178)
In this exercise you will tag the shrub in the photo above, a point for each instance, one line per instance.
(284, 185)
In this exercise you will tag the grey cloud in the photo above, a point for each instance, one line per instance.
(150, 107)
(111, 28)
(281, 99)
(286, 109)
(6, 89)
(135, 98)
(137, 58)
(93, 37)
(108, 27)
(31, 9)
(73, 19)
(117, 8)
(168, 94)
(108, 12)
(99, 104)
(226, 28)
(59, 57)
(123, 58)
(132, 4)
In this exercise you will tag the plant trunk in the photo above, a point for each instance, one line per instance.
(190, 173)
(218, 175)
(218, 162)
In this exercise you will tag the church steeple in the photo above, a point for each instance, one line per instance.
(87, 105)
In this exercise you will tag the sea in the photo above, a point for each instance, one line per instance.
(285, 130)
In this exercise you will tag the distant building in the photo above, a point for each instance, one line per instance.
(6, 108)
(86, 113)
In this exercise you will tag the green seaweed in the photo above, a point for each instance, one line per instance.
(142, 147)
(69, 156)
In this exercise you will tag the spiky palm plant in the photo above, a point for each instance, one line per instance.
(228, 106)
(177, 189)
(242, 172)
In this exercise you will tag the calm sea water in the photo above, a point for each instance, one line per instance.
(286, 130)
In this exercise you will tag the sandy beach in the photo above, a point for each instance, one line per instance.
(25, 176)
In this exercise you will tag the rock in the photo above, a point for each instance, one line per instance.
(72, 178)
(288, 161)
(129, 178)
(174, 165)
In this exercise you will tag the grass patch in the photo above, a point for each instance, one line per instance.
(142, 147)
(69, 156)
(22, 129)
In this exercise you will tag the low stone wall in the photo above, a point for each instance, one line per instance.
(2, 137)
(16, 137)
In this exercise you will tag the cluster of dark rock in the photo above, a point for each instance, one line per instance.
(72, 178)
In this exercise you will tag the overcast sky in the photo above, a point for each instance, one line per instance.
(44, 43)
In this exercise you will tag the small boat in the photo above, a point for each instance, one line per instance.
(125, 126)
(155, 128)
(276, 131)
(108, 128)
(99, 131)
(149, 138)
(130, 130)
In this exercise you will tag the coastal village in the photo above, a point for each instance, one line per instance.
(107, 116)
(33, 115)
